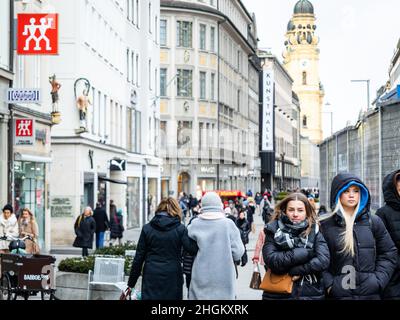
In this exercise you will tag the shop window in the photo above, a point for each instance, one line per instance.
(133, 202)
(30, 192)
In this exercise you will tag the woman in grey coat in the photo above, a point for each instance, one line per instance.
(220, 244)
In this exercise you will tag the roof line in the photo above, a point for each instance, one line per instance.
(205, 9)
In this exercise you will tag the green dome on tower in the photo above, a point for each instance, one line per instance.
(303, 7)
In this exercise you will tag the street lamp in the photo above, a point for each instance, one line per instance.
(283, 170)
(166, 86)
(367, 81)
(331, 113)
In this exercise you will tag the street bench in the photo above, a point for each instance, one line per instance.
(107, 271)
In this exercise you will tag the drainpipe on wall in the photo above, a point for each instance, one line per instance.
(10, 175)
(218, 93)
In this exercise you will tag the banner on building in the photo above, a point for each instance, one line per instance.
(267, 142)
(24, 132)
(37, 34)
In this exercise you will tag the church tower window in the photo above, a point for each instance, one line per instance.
(304, 78)
(304, 121)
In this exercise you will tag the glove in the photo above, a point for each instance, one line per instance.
(295, 271)
(311, 254)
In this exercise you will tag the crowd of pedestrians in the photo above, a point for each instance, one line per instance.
(346, 252)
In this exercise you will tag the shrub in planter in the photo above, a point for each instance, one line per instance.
(116, 250)
(281, 195)
(83, 265)
(77, 265)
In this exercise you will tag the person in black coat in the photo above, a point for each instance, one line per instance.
(117, 228)
(187, 257)
(251, 210)
(160, 251)
(102, 224)
(363, 256)
(85, 227)
(390, 215)
(244, 228)
(293, 245)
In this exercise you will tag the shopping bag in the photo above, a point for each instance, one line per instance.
(126, 295)
(256, 278)
(130, 294)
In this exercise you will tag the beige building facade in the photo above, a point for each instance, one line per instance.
(208, 97)
(301, 59)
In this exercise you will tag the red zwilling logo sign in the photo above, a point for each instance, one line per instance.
(24, 132)
(37, 33)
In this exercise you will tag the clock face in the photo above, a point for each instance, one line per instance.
(304, 63)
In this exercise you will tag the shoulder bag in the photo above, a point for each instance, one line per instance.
(275, 283)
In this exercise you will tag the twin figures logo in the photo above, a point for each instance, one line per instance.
(37, 33)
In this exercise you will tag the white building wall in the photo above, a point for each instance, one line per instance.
(95, 37)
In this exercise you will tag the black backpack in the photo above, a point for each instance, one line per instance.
(267, 213)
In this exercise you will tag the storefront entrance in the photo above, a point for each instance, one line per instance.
(30, 192)
(184, 183)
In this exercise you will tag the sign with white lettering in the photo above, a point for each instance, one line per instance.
(23, 96)
(207, 169)
(24, 131)
(267, 142)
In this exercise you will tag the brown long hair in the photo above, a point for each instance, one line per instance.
(171, 206)
(311, 216)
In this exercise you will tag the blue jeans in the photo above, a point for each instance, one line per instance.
(99, 240)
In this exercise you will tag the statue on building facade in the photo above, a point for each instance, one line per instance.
(83, 102)
(55, 86)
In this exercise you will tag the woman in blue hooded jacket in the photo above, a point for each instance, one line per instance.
(363, 256)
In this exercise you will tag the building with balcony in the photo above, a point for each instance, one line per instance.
(209, 97)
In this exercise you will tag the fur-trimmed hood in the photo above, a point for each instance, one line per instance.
(10, 221)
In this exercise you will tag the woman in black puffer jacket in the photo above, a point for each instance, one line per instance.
(294, 245)
(390, 215)
(244, 228)
(158, 256)
(363, 256)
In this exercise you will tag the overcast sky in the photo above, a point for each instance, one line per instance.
(357, 41)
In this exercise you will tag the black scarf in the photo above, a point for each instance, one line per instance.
(289, 235)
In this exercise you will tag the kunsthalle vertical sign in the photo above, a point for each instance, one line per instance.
(268, 110)
(24, 132)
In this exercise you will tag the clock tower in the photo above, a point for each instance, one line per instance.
(301, 60)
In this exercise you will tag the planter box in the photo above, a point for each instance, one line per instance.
(73, 286)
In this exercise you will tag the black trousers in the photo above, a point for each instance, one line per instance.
(85, 252)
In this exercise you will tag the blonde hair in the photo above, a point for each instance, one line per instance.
(30, 213)
(171, 206)
(347, 236)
